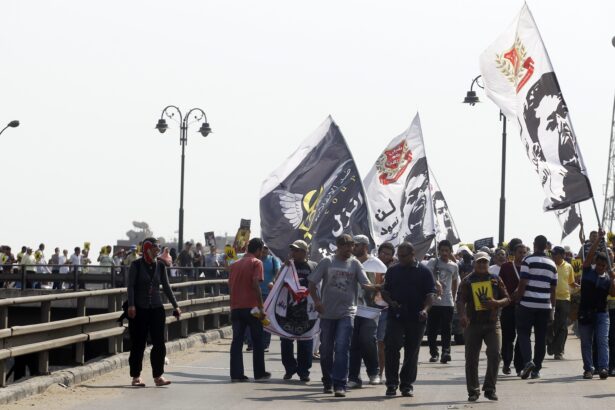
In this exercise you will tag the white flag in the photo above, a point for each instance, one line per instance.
(519, 78)
(398, 192)
(445, 227)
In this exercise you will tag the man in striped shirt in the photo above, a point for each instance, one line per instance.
(536, 297)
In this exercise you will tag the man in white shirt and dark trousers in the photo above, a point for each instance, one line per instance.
(536, 297)
(446, 273)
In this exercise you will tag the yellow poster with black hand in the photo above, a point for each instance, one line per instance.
(481, 291)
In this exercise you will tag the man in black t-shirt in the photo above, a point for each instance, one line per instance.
(302, 364)
(409, 289)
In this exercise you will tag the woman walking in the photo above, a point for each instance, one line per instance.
(146, 313)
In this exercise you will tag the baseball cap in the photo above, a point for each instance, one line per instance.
(481, 255)
(361, 239)
(299, 244)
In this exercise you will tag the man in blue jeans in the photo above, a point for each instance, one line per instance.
(337, 304)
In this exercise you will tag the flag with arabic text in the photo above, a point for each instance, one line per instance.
(316, 195)
(399, 192)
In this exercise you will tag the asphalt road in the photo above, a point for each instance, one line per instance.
(201, 381)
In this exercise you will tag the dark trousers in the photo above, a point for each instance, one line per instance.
(511, 351)
(363, 346)
(241, 320)
(557, 331)
(303, 363)
(439, 322)
(147, 322)
(400, 334)
(611, 339)
(474, 336)
(527, 319)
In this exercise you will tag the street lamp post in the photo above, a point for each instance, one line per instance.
(184, 121)
(12, 124)
(471, 98)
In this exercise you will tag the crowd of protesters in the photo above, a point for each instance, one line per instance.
(499, 296)
(191, 260)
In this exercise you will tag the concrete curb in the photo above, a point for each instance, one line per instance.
(76, 375)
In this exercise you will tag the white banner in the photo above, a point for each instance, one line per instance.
(398, 191)
(519, 78)
(290, 309)
(445, 226)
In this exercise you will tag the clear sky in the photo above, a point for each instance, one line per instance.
(88, 81)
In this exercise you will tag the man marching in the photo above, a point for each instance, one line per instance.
(482, 295)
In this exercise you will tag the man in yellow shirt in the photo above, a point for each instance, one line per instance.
(557, 331)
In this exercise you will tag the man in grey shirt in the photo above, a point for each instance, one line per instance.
(337, 304)
(446, 273)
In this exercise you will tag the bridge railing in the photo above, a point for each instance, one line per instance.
(77, 276)
(47, 335)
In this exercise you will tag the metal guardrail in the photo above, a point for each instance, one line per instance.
(47, 335)
(79, 275)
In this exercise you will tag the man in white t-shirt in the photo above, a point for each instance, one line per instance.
(446, 274)
(498, 259)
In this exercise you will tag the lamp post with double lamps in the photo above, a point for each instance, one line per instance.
(195, 115)
(471, 99)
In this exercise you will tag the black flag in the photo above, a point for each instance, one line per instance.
(316, 195)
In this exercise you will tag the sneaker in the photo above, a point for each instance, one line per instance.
(473, 396)
(535, 374)
(265, 376)
(391, 391)
(241, 379)
(604, 374)
(434, 358)
(407, 392)
(445, 358)
(525, 373)
(612, 372)
(588, 375)
(340, 392)
(506, 370)
(558, 357)
(304, 378)
(288, 376)
(373, 380)
(352, 384)
(491, 395)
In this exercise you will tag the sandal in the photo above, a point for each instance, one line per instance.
(137, 382)
(161, 381)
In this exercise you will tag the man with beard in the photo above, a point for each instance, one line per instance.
(409, 289)
(303, 363)
(337, 304)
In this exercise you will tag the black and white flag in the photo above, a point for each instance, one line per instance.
(399, 193)
(519, 78)
(569, 219)
(316, 195)
(445, 226)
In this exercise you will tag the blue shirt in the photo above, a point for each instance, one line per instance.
(408, 285)
(271, 265)
(594, 291)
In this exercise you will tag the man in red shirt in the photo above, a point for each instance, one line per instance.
(244, 284)
(509, 273)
